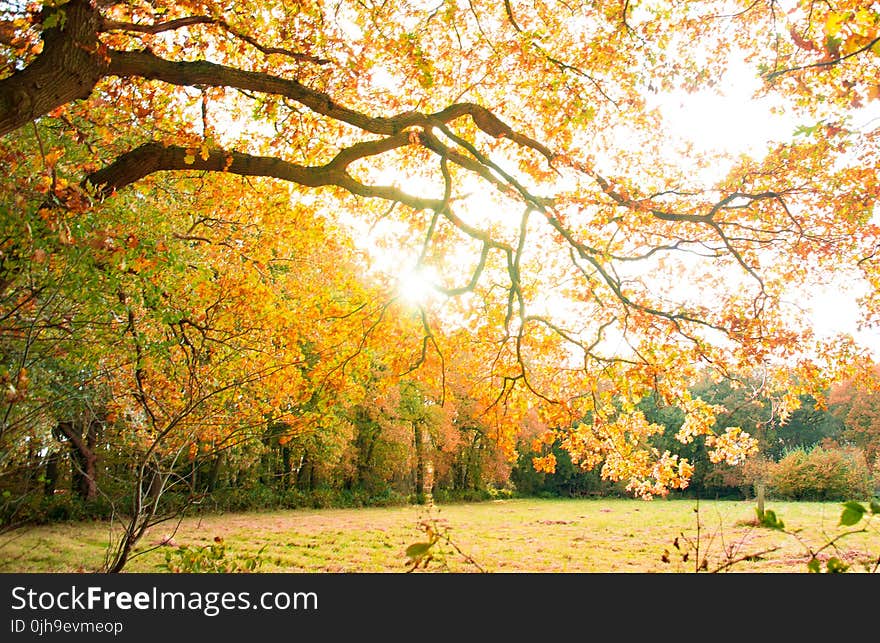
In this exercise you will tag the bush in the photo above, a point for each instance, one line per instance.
(386, 498)
(449, 496)
(37, 509)
(568, 480)
(257, 498)
(213, 558)
(821, 474)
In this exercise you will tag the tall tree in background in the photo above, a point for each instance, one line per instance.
(857, 405)
(511, 150)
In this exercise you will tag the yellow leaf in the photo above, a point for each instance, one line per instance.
(834, 21)
(53, 156)
(865, 18)
(547, 464)
(189, 159)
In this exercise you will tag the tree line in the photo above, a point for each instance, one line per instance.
(404, 447)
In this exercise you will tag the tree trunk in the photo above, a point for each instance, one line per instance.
(155, 483)
(305, 477)
(265, 477)
(216, 468)
(51, 481)
(67, 69)
(759, 494)
(419, 447)
(366, 448)
(285, 468)
(84, 460)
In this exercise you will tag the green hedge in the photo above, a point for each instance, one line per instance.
(821, 474)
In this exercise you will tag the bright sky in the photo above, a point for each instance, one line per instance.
(731, 122)
(737, 123)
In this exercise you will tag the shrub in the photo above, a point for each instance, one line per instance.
(37, 509)
(325, 498)
(450, 496)
(722, 480)
(386, 498)
(821, 474)
(213, 558)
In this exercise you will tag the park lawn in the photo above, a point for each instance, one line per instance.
(512, 535)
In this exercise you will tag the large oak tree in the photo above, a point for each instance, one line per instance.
(511, 150)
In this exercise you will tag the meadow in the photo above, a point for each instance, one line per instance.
(513, 535)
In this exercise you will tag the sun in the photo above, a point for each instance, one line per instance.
(416, 285)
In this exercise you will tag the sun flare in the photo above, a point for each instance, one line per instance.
(416, 285)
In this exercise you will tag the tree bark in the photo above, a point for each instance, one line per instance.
(214, 473)
(759, 495)
(67, 69)
(51, 480)
(419, 448)
(155, 482)
(286, 465)
(84, 460)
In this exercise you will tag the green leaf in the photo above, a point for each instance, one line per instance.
(417, 550)
(836, 566)
(814, 567)
(56, 19)
(803, 130)
(852, 513)
(770, 520)
(832, 45)
(875, 506)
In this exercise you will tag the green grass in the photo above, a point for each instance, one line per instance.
(518, 535)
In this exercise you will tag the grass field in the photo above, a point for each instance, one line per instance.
(516, 535)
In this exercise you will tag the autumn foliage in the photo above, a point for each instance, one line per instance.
(208, 210)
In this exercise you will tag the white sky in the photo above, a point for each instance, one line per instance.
(732, 122)
(737, 123)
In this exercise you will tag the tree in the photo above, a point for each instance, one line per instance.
(511, 148)
(168, 347)
(857, 405)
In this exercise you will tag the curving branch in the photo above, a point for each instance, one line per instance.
(773, 75)
(189, 21)
(156, 27)
(73, 61)
(475, 277)
(155, 157)
(76, 57)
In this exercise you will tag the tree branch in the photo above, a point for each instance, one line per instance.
(154, 157)
(156, 27)
(188, 21)
(824, 63)
(144, 64)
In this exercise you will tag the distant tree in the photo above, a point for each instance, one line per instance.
(809, 425)
(857, 407)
